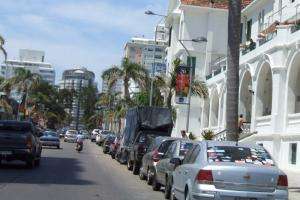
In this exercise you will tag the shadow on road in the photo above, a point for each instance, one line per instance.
(53, 170)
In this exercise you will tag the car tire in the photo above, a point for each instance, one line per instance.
(168, 188)
(149, 178)
(129, 166)
(141, 174)
(58, 147)
(155, 185)
(30, 163)
(136, 168)
(113, 156)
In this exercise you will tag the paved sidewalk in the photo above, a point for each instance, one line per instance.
(294, 184)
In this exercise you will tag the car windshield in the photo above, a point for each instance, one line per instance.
(72, 132)
(51, 134)
(184, 147)
(236, 154)
(15, 128)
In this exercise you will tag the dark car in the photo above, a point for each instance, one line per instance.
(155, 153)
(20, 141)
(138, 150)
(107, 142)
(114, 147)
(165, 166)
(50, 138)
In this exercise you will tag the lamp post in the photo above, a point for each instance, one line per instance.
(149, 12)
(197, 40)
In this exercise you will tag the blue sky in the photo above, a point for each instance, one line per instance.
(89, 33)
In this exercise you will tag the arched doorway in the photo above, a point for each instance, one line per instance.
(294, 87)
(206, 107)
(214, 115)
(245, 105)
(264, 91)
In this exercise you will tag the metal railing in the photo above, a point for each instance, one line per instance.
(216, 67)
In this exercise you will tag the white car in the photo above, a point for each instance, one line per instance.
(71, 136)
(95, 132)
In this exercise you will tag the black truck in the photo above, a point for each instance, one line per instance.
(143, 124)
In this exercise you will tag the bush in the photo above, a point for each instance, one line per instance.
(208, 135)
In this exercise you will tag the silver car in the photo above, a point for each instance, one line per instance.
(228, 171)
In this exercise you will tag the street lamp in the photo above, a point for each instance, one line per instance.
(149, 12)
(197, 40)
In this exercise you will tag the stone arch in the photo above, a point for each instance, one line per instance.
(245, 96)
(264, 90)
(214, 108)
(293, 84)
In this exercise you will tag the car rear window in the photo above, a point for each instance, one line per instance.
(184, 147)
(236, 154)
(16, 128)
(164, 146)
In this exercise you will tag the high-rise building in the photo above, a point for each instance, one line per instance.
(31, 60)
(76, 79)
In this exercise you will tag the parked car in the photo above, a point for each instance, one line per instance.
(20, 141)
(155, 153)
(50, 138)
(228, 170)
(107, 142)
(94, 133)
(165, 168)
(71, 136)
(114, 147)
(102, 136)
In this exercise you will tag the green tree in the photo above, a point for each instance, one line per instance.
(234, 20)
(88, 103)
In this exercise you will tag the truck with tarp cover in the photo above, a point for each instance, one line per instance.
(156, 121)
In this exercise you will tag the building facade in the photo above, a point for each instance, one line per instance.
(31, 60)
(76, 79)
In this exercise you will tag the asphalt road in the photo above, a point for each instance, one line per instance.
(65, 174)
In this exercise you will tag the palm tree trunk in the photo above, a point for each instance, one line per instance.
(169, 99)
(126, 88)
(234, 21)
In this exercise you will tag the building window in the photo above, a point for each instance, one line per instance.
(293, 153)
(248, 33)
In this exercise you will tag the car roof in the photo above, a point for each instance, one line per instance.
(211, 143)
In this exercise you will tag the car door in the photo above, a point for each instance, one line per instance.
(178, 176)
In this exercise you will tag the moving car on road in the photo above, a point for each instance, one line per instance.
(107, 142)
(85, 134)
(94, 133)
(50, 138)
(155, 153)
(20, 141)
(228, 170)
(165, 168)
(70, 136)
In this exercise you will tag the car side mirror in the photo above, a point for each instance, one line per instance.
(175, 161)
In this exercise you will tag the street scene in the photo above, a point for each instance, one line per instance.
(136, 100)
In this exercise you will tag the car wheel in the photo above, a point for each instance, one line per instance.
(112, 156)
(58, 147)
(141, 174)
(155, 185)
(167, 189)
(149, 177)
(187, 195)
(136, 168)
(129, 166)
(37, 162)
(30, 163)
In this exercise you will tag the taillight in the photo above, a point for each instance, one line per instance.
(205, 177)
(282, 181)
(29, 142)
(155, 155)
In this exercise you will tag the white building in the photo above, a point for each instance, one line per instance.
(31, 60)
(118, 87)
(142, 51)
(76, 79)
(269, 79)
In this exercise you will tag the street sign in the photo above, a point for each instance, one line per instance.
(182, 84)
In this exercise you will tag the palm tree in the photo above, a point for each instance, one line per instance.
(234, 20)
(128, 71)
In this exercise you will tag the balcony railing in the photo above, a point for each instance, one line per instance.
(216, 67)
(248, 48)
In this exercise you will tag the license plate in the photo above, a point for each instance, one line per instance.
(5, 153)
